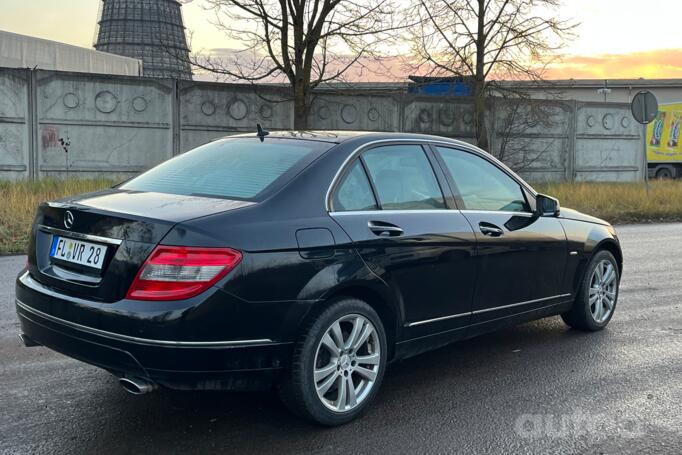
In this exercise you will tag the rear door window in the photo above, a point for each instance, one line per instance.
(241, 168)
(403, 178)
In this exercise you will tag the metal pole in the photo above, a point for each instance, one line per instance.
(645, 159)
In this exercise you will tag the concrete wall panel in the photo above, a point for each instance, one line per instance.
(119, 125)
(518, 118)
(429, 115)
(121, 150)
(538, 159)
(613, 119)
(534, 137)
(598, 157)
(608, 144)
(355, 112)
(208, 111)
(124, 125)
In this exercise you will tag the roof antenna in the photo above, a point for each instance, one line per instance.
(261, 133)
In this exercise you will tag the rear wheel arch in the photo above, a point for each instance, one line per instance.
(380, 303)
(301, 390)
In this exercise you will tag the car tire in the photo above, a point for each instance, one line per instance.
(664, 173)
(596, 300)
(317, 353)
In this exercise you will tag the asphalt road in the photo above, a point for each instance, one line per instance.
(535, 388)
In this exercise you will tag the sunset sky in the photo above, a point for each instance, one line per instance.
(615, 39)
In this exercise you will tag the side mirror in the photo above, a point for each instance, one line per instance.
(547, 205)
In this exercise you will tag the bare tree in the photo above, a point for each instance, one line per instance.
(518, 119)
(483, 40)
(303, 42)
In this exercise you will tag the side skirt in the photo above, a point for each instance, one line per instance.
(415, 346)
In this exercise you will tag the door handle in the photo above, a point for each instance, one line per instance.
(383, 229)
(490, 230)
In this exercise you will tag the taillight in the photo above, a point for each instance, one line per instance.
(181, 272)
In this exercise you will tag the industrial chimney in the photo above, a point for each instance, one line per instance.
(149, 30)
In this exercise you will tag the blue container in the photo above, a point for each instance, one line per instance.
(441, 88)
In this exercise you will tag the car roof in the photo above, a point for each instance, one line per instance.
(338, 137)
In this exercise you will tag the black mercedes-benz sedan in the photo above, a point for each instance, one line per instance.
(307, 261)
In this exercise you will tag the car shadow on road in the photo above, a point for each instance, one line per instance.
(444, 385)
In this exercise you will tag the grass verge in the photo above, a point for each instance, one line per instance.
(621, 203)
(617, 203)
(19, 200)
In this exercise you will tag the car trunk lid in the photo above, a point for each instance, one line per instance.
(124, 226)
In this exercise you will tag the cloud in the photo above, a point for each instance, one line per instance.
(654, 64)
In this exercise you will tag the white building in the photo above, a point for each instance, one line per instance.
(588, 90)
(20, 51)
(611, 90)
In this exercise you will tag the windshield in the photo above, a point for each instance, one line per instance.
(241, 168)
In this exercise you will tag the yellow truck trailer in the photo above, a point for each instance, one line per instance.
(664, 142)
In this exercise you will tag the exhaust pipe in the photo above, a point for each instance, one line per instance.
(28, 341)
(137, 386)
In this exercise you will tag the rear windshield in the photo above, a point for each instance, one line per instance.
(230, 168)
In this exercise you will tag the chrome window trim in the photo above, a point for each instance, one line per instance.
(416, 211)
(503, 212)
(131, 339)
(363, 147)
(80, 236)
(426, 141)
(385, 212)
(486, 310)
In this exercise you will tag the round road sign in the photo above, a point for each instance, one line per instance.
(644, 107)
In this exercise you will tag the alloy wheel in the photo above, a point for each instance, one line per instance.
(347, 363)
(602, 297)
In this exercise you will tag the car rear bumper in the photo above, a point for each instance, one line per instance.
(191, 365)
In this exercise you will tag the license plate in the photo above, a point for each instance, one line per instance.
(78, 252)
